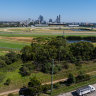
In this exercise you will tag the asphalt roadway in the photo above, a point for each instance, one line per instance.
(73, 93)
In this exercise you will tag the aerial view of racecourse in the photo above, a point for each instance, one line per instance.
(47, 47)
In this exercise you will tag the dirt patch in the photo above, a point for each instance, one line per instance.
(25, 39)
(20, 39)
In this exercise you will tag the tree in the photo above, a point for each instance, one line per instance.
(46, 68)
(11, 57)
(27, 69)
(2, 63)
(34, 87)
(58, 42)
(27, 54)
(24, 71)
(45, 88)
(82, 50)
(57, 68)
(8, 81)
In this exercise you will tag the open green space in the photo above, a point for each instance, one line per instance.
(37, 32)
(17, 81)
(10, 44)
(46, 34)
(63, 89)
(12, 71)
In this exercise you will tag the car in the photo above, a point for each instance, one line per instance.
(85, 90)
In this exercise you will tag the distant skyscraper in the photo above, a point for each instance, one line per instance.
(50, 20)
(29, 20)
(41, 19)
(58, 19)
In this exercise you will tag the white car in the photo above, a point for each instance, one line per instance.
(85, 90)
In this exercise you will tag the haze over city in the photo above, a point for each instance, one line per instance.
(70, 10)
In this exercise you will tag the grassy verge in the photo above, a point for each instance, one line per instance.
(65, 89)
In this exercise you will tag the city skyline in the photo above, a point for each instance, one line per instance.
(70, 10)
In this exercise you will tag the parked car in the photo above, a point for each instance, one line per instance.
(85, 90)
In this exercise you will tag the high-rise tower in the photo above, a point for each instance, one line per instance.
(58, 19)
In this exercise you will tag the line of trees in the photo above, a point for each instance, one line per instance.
(59, 49)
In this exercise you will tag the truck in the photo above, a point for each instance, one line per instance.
(85, 90)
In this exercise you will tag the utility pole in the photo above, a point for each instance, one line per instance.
(63, 33)
(59, 55)
(52, 76)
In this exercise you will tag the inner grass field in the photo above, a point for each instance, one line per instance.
(8, 45)
(43, 31)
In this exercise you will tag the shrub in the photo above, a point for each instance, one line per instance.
(8, 61)
(46, 68)
(24, 71)
(30, 66)
(2, 76)
(27, 69)
(57, 68)
(45, 88)
(10, 94)
(34, 87)
(12, 57)
(2, 63)
(57, 85)
(8, 81)
(66, 66)
(71, 79)
(82, 77)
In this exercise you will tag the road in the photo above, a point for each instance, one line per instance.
(73, 93)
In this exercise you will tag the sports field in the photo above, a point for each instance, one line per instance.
(46, 31)
(17, 38)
